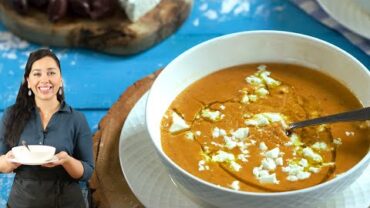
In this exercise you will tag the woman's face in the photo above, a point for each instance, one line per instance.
(45, 79)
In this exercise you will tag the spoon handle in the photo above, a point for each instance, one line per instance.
(26, 145)
(357, 115)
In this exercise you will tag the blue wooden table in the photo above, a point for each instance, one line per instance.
(93, 81)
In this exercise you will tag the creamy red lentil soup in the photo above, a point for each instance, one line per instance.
(229, 128)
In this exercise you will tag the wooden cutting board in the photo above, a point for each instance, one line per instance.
(108, 185)
(115, 35)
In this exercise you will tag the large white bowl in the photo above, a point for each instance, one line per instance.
(37, 153)
(364, 4)
(253, 47)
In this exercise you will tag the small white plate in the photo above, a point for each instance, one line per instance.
(349, 14)
(151, 184)
(54, 159)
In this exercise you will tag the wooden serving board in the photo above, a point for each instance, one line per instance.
(115, 34)
(108, 185)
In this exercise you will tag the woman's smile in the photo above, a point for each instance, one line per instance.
(45, 89)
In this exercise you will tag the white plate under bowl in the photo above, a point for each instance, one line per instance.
(54, 159)
(152, 185)
(349, 14)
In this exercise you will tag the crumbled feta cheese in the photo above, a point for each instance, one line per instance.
(303, 175)
(257, 120)
(276, 117)
(294, 140)
(260, 81)
(262, 67)
(189, 135)
(279, 161)
(241, 133)
(309, 153)
(245, 99)
(252, 98)
(303, 162)
(217, 132)
(268, 164)
(274, 153)
(264, 176)
(211, 115)
(217, 144)
(273, 117)
(338, 141)
(242, 145)
(253, 80)
(230, 143)
(263, 73)
(261, 92)
(257, 171)
(222, 107)
(243, 149)
(292, 178)
(198, 133)
(296, 172)
(235, 185)
(271, 178)
(314, 169)
(319, 146)
(292, 169)
(235, 166)
(243, 157)
(263, 146)
(263, 119)
(178, 124)
(270, 82)
(350, 133)
(202, 165)
(222, 156)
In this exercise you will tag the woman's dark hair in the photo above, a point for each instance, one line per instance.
(19, 114)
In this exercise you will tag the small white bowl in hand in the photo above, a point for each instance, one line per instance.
(37, 153)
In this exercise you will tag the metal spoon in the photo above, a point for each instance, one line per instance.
(26, 145)
(356, 115)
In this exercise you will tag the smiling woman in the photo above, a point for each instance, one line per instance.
(40, 116)
(45, 81)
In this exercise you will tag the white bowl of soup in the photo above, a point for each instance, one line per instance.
(35, 153)
(217, 114)
(364, 4)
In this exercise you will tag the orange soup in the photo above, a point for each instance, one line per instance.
(229, 128)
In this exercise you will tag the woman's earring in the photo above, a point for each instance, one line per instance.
(29, 92)
(60, 91)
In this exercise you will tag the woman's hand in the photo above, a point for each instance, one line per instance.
(5, 165)
(63, 158)
(73, 166)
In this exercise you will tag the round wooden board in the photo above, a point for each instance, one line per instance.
(108, 185)
(115, 35)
